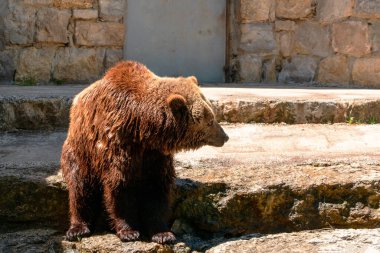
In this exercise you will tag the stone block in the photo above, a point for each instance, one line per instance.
(284, 25)
(250, 68)
(38, 3)
(113, 56)
(293, 9)
(298, 69)
(312, 38)
(112, 10)
(366, 72)
(70, 4)
(256, 10)
(367, 9)
(52, 25)
(34, 65)
(374, 31)
(351, 38)
(257, 38)
(269, 73)
(334, 69)
(8, 59)
(286, 41)
(85, 14)
(88, 33)
(78, 65)
(19, 25)
(2, 32)
(331, 11)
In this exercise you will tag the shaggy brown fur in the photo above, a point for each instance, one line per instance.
(124, 130)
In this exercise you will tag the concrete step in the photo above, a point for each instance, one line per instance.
(47, 107)
(330, 240)
(267, 178)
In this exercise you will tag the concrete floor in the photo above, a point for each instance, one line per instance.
(249, 144)
(225, 91)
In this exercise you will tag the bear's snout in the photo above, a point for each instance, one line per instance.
(219, 137)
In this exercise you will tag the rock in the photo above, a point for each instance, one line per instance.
(20, 25)
(293, 9)
(257, 38)
(33, 240)
(256, 10)
(367, 9)
(330, 11)
(312, 39)
(298, 69)
(112, 10)
(85, 14)
(351, 38)
(339, 240)
(88, 33)
(113, 56)
(52, 25)
(250, 68)
(34, 65)
(334, 70)
(286, 41)
(366, 72)
(78, 64)
(70, 4)
(8, 60)
(284, 25)
(331, 240)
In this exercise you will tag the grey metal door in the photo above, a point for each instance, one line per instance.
(178, 37)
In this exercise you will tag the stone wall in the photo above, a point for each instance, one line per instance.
(59, 41)
(307, 41)
(270, 41)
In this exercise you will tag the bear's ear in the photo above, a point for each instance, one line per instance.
(193, 79)
(176, 102)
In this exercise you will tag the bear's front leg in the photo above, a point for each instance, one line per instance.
(113, 199)
(155, 212)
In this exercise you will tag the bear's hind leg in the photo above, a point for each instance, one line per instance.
(79, 197)
(113, 198)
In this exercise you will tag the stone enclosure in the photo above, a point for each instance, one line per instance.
(269, 41)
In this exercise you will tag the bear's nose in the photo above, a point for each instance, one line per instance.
(226, 138)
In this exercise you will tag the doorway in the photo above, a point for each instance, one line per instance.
(178, 37)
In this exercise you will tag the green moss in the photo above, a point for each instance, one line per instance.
(27, 82)
(57, 81)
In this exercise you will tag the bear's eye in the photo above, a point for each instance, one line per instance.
(210, 123)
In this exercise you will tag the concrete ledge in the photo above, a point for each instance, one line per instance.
(265, 179)
(47, 107)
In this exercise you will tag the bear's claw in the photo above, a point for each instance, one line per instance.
(127, 235)
(164, 237)
(77, 231)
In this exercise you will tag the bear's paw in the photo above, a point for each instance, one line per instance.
(77, 231)
(164, 238)
(128, 235)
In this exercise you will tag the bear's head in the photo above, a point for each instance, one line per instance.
(201, 125)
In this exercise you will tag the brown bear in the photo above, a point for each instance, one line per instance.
(124, 130)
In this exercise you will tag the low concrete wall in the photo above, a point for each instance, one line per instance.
(286, 41)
